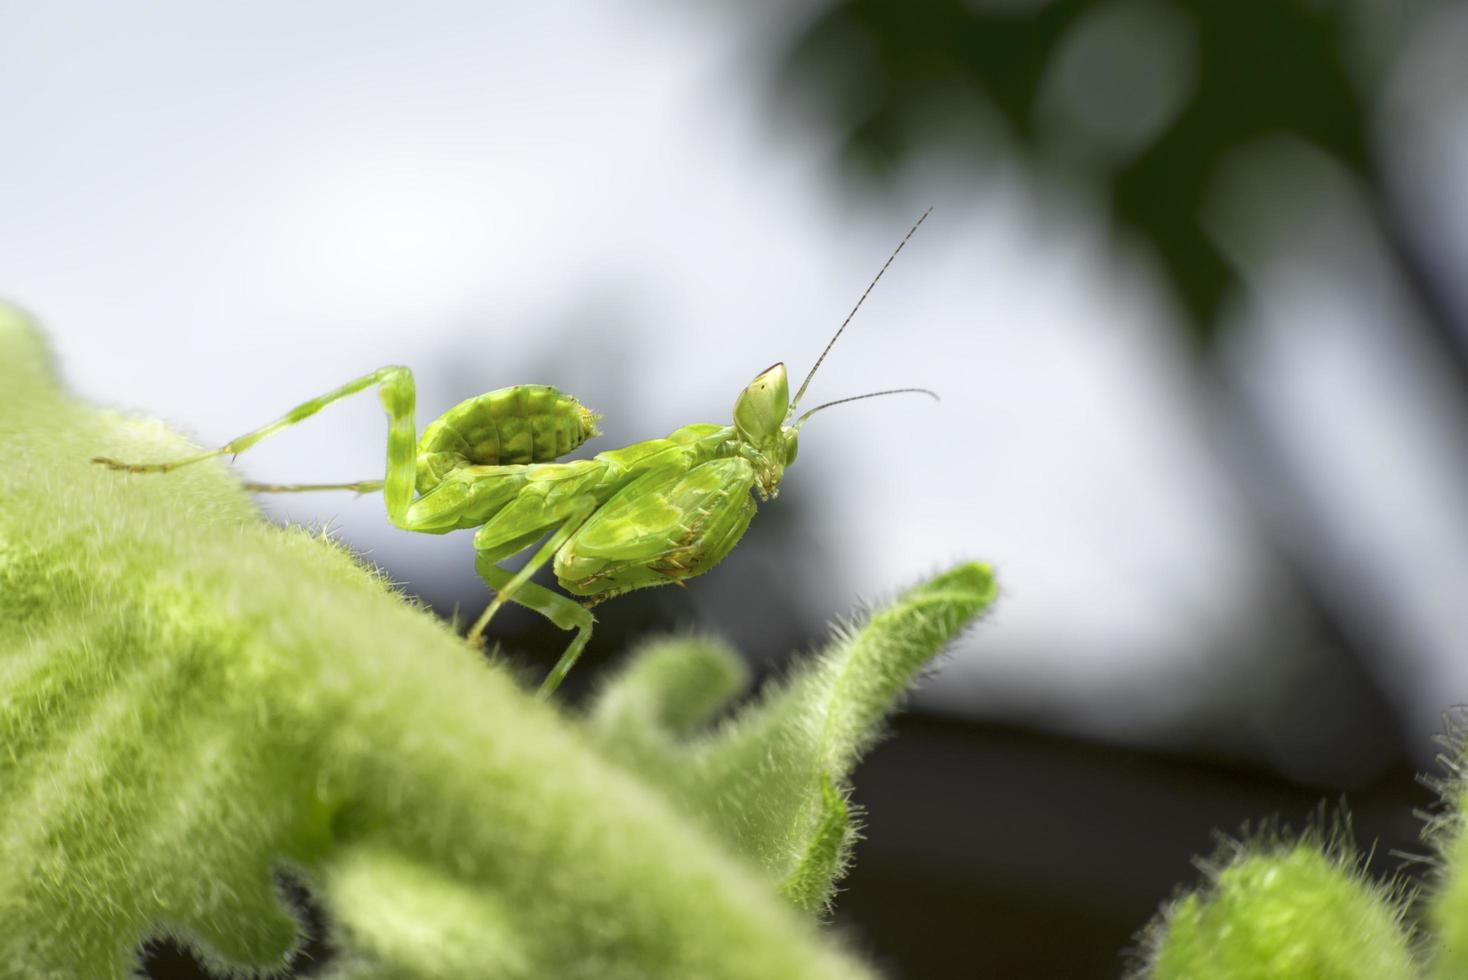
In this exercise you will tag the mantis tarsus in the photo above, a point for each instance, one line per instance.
(652, 513)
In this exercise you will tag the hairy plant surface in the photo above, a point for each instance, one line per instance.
(1447, 831)
(192, 697)
(1305, 909)
(1285, 911)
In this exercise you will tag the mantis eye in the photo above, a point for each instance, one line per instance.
(761, 407)
(792, 441)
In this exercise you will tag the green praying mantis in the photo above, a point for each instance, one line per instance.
(653, 513)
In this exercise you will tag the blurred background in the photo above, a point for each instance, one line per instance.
(1193, 292)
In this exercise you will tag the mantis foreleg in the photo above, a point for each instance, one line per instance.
(669, 526)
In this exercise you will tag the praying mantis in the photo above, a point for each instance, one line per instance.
(652, 513)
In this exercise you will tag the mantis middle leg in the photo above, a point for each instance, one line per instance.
(398, 397)
(564, 612)
(517, 587)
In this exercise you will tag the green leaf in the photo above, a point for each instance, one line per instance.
(668, 689)
(396, 908)
(815, 874)
(772, 780)
(762, 775)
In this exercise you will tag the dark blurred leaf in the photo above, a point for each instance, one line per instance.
(1139, 102)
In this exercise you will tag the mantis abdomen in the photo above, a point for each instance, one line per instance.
(519, 424)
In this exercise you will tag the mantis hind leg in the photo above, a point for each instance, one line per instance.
(398, 397)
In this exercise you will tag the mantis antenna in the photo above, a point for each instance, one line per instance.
(870, 286)
(871, 394)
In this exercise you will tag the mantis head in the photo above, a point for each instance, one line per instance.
(760, 414)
